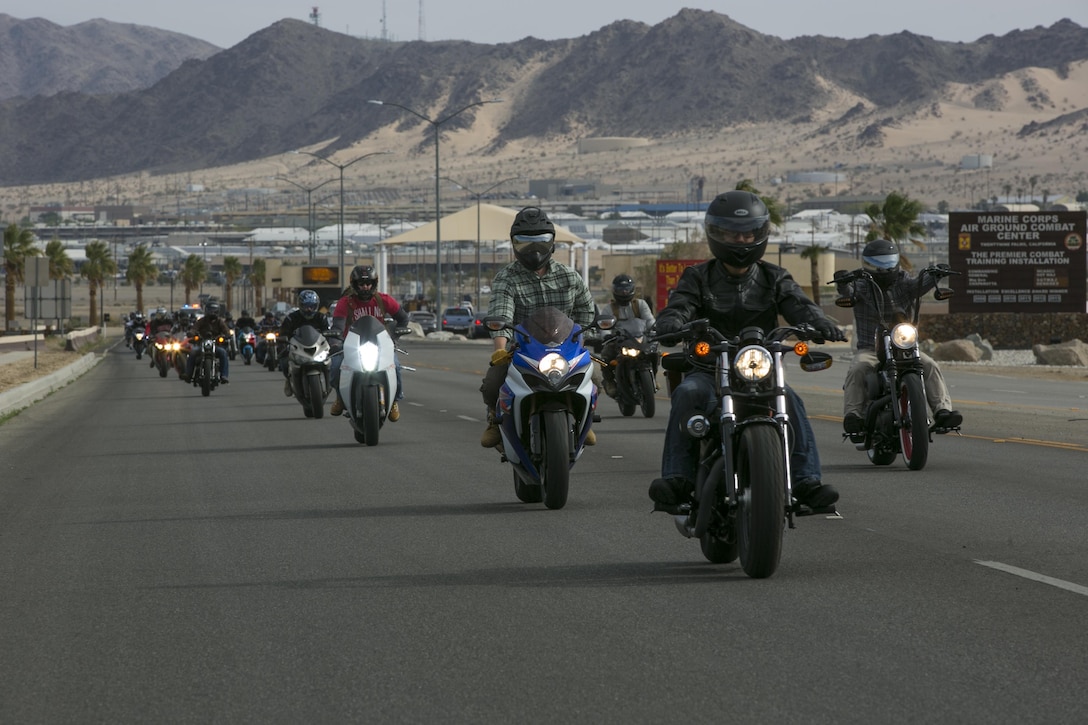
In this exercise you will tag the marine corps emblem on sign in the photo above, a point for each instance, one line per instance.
(1073, 242)
(965, 242)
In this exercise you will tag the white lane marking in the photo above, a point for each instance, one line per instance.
(1027, 574)
(470, 419)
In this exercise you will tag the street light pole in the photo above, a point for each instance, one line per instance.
(311, 221)
(436, 123)
(479, 195)
(341, 167)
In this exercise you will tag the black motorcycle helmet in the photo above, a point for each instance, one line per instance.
(533, 238)
(880, 258)
(623, 289)
(211, 311)
(731, 214)
(364, 281)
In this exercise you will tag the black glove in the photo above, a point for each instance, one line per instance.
(828, 331)
(668, 326)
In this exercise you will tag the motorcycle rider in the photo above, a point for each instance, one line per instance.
(633, 316)
(306, 314)
(900, 292)
(532, 282)
(737, 289)
(213, 326)
(246, 320)
(365, 299)
(267, 324)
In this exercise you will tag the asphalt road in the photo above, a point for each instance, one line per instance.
(171, 558)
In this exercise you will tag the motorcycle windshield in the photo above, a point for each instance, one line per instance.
(548, 326)
(307, 336)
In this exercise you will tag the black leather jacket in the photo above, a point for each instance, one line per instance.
(756, 298)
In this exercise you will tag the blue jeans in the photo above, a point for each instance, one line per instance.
(334, 375)
(695, 394)
(224, 361)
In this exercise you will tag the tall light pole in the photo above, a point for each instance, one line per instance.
(436, 123)
(311, 221)
(478, 195)
(341, 167)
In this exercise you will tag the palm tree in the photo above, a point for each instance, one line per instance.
(98, 267)
(141, 270)
(232, 271)
(812, 254)
(192, 275)
(60, 264)
(257, 272)
(897, 221)
(18, 245)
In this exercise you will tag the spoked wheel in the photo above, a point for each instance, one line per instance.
(206, 378)
(555, 466)
(761, 477)
(914, 435)
(647, 389)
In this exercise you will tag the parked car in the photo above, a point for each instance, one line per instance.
(458, 319)
(479, 331)
(428, 321)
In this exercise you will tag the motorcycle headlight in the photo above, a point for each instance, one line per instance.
(554, 367)
(630, 351)
(271, 337)
(321, 356)
(904, 336)
(753, 363)
(368, 357)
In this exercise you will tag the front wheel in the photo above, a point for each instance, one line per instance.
(369, 412)
(914, 435)
(314, 392)
(647, 389)
(555, 463)
(761, 480)
(208, 369)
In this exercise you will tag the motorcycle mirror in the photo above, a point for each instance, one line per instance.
(815, 361)
(942, 293)
(844, 302)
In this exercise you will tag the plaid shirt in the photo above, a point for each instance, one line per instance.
(899, 301)
(517, 292)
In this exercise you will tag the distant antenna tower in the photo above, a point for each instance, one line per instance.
(385, 33)
(315, 17)
(422, 25)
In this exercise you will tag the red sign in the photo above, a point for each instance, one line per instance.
(668, 274)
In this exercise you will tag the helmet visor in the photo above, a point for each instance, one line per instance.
(530, 243)
(716, 225)
(880, 262)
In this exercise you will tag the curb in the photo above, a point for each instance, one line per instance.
(16, 399)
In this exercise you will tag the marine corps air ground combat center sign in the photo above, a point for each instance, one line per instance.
(1017, 261)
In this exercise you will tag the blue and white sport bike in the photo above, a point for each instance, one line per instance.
(546, 405)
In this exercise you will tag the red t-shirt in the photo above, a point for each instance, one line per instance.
(351, 308)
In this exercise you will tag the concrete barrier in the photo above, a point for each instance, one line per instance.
(23, 396)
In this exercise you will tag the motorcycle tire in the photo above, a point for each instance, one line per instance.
(368, 406)
(647, 389)
(527, 492)
(914, 435)
(206, 378)
(555, 463)
(761, 480)
(626, 409)
(314, 393)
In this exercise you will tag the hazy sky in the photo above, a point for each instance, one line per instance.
(227, 22)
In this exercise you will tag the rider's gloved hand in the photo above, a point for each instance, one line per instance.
(668, 325)
(501, 357)
(828, 331)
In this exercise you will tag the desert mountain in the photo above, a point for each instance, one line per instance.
(294, 85)
(40, 58)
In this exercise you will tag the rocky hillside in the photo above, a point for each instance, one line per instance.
(294, 85)
(40, 58)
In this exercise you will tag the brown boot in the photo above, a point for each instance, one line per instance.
(591, 438)
(337, 408)
(394, 413)
(491, 437)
